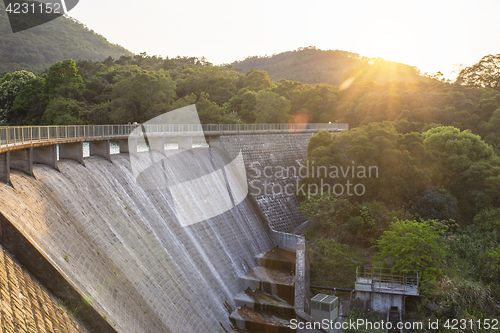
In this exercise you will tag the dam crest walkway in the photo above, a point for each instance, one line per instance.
(21, 146)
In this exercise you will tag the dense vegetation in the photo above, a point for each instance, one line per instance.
(433, 208)
(315, 66)
(38, 48)
(136, 88)
(430, 204)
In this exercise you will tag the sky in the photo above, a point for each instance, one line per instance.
(438, 35)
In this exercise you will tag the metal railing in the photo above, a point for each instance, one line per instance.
(383, 279)
(14, 135)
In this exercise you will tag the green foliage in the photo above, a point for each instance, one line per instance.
(271, 108)
(62, 79)
(392, 167)
(477, 249)
(486, 73)
(38, 48)
(314, 66)
(435, 204)
(10, 86)
(465, 165)
(211, 113)
(412, 246)
(458, 298)
(141, 97)
(316, 103)
(322, 139)
(351, 223)
(371, 317)
(63, 111)
(332, 264)
(30, 103)
(243, 103)
(214, 81)
(255, 80)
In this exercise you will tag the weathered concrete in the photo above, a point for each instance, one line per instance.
(71, 151)
(379, 302)
(5, 167)
(186, 142)
(46, 155)
(25, 305)
(123, 246)
(17, 245)
(275, 195)
(156, 143)
(128, 146)
(100, 148)
(22, 160)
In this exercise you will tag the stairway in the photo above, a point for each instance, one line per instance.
(266, 304)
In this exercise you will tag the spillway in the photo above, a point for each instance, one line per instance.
(122, 247)
(265, 155)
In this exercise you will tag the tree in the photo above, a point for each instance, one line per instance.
(486, 73)
(356, 224)
(244, 104)
(218, 83)
(255, 80)
(490, 132)
(271, 108)
(411, 246)
(466, 166)
(10, 86)
(63, 79)
(141, 97)
(30, 103)
(387, 165)
(435, 204)
(64, 111)
(211, 113)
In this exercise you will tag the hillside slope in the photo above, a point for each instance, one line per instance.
(312, 65)
(38, 48)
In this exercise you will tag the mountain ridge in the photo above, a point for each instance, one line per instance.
(315, 66)
(40, 47)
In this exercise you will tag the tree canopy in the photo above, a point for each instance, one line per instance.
(38, 48)
(486, 73)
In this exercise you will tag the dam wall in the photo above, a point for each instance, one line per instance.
(270, 161)
(123, 249)
(121, 246)
(25, 306)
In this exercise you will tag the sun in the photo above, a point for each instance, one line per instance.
(393, 30)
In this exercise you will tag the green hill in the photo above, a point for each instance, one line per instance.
(312, 65)
(38, 48)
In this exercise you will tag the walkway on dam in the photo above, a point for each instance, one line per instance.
(14, 136)
(22, 146)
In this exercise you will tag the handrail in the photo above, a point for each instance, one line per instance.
(383, 278)
(14, 135)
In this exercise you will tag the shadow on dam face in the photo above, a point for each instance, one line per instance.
(14, 242)
(121, 247)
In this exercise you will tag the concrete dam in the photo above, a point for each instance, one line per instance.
(121, 247)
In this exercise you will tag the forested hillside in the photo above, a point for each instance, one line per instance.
(430, 203)
(433, 205)
(38, 48)
(312, 65)
(137, 88)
